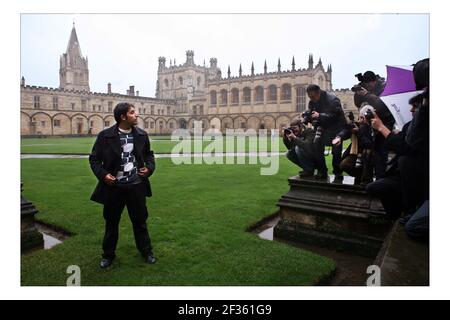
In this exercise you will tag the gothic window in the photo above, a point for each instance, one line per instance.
(180, 81)
(106, 123)
(286, 91)
(168, 110)
(73, 106)
(56, 123)
(152, 109)
(247, 94)
(259, 94)
(110, 106)
(152, 125)
(42, 123)
(194, 109)
(146, 125)
(92, 123)
(83, 105)
(224, 97)
(199, 81)
(201, 109)
(37, 103)
(272, 94)
(213, 98)
(166, 83)
(171, 125)
(234, 96)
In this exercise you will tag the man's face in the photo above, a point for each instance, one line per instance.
(414, 107)
(314, 96)
(371, 85)
(131, 117)
(295, 129)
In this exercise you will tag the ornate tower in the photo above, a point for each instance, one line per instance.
(73, 69)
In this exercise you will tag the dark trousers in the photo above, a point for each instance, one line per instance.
(389, 191)
(134, 198)
(320, 163)
(418, 226)
(301, 158)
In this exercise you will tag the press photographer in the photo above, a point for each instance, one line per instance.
(298, 138)
(328, 119)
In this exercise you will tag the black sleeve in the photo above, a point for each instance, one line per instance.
(396, 141)
(331, 114)
(149, 157)
(96, 158)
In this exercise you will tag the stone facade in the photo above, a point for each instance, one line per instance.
(184, 93)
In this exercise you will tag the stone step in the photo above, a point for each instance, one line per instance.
(337, 216)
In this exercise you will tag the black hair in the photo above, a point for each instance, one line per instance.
(120, 109)
(297, 122)
(313, 88)
(421, 73)
(416, 99)
(369, 76)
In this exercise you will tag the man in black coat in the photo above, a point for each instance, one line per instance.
(329, 119)
(122, 161)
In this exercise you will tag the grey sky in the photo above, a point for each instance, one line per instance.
(124, 49)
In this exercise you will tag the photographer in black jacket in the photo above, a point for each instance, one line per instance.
(298, 138)
(368, 91)
(328, 119)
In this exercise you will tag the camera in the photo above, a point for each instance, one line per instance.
(307, 116)
(369, 115)
(287, 131)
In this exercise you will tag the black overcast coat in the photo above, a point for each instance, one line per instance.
(106, 158)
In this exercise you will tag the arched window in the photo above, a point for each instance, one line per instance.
(259, 94)
(199, 81)
(180, 81)
(213, 98)
(235, 96)
(166, 83)
(286, 91)
(247, 94)
(272, 93)
(224, 97)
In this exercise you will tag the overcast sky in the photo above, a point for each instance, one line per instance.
(124, 49)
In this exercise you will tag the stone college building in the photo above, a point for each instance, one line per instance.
(184, 93)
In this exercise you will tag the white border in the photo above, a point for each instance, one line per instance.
(9, 238)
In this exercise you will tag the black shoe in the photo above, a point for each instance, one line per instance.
(338, 179)
(150, 259)
(306, 174)
(105, 263)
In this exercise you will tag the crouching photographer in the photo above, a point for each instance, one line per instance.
(328, 120)
(298, 138)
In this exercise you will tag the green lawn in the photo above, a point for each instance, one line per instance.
(198, 218)
(83, 145)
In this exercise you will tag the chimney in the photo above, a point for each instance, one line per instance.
(131, 91)
(109, 87)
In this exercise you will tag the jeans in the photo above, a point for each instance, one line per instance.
(134, 198)
(301, 158)
(418, 226)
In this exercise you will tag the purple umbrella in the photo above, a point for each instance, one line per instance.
(400, 87)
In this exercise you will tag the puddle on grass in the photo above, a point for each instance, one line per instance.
(350, 270)
(52, 237)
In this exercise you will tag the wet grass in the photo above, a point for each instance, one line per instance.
(198, 218)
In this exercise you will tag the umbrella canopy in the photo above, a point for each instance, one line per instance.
(400, 87)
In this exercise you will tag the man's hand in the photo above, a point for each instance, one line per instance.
(144, 172)
(337, 141)
(315, 115)
(379, 126)
(109, 179)
(291, 136)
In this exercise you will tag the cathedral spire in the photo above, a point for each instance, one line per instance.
(293, 63)
(265, 66)
(240, 70)
(229, 72)
(73, 69)
(310, 61)
(253, 69)
(279, 65)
